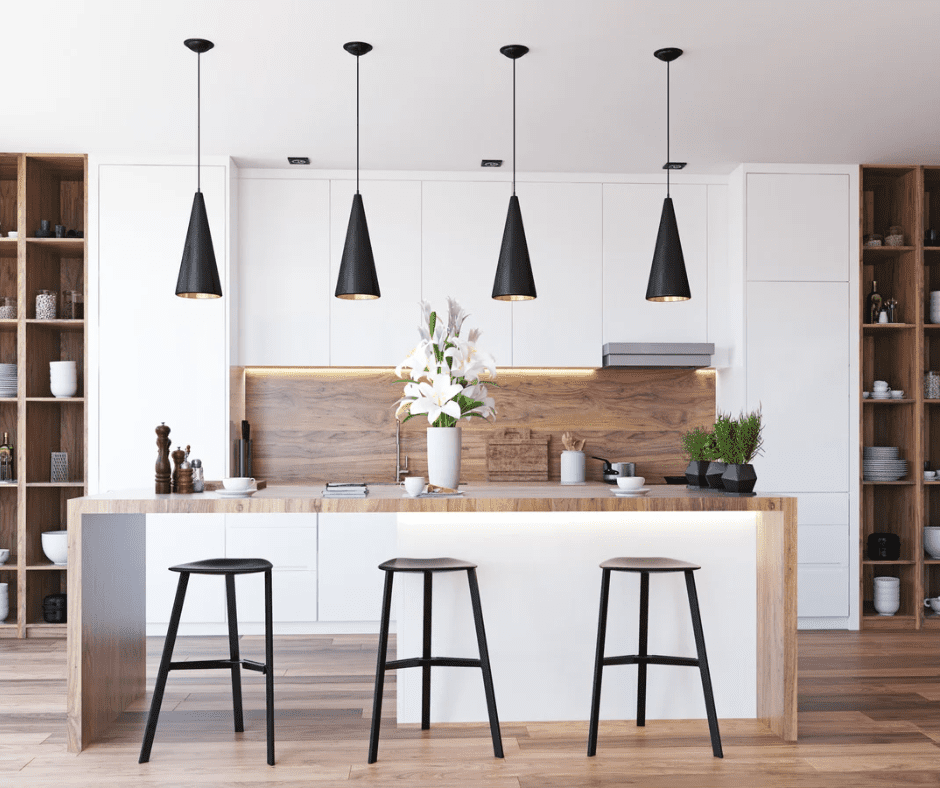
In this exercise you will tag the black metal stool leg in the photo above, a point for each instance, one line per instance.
(269, 661)
(164, 671)
(233, 654)
(485, 663)
(380, 669)
(703, 665)
(426, 654)
(599, 663)
(644, 632)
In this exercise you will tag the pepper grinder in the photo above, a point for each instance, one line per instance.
(178, 456)
(184, 483)
(162, 486)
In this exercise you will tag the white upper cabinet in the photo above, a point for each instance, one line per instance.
(379, 332)
(461, 231)
(284, 272)
(631, 224)
(798, 227)
(562, 327)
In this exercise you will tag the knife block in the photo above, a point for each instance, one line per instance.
(241, 462)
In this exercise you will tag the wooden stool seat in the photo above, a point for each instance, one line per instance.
(648, 565)
(426, 565)
(225, 566)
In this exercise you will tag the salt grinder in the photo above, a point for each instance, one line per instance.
(199, 482)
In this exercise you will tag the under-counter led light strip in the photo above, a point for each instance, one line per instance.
(363, 371)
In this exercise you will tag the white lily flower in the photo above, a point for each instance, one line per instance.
(419, 360)
(437, 397)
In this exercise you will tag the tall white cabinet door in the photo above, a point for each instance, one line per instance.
(351, 548)
(798, 227)
(161, 358)
(284, 272)
(380, 332)
(562, 327)
(797, 371)
(461, 232)
(631, 224)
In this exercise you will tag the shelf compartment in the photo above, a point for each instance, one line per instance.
(46, 510)
(38, 586)
(55, 267)
(8, 192)
(888, 356)
(931, 205)
(890, 508)
(891, 196)
(931, 442)
(8, 526)
(896, 276)
(54, 426)
(45, 343)
(907, 574)
(8, 575)
(55, 190)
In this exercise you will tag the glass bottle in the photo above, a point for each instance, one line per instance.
(874, 303)
(6, 460)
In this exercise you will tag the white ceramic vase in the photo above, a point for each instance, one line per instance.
(444, 456)
(572, 467)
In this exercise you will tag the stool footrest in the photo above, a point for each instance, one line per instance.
(651, 659)
(440, 662)
(216, 664)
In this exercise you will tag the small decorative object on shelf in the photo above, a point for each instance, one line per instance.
(63, 378)
(887, 595)
(873, 240)
(931, 237)
(884, 547)
(883, 316)
(60, 467)
(60, 231)
(44, 231)
(7, 308)
(45, 305)
(891, 305)
(7, 454)
(162, 477)
(874, 303)
(932, 385)
(895, 236)
(73, 305)
(54, 608)
(452, 366)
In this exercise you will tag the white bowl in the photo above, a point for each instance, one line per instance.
(932, 540)
(866, 394)
(12, 234)
(239, 483)
(55, 544)
(63, 388)
(630, 482)
(58, 365)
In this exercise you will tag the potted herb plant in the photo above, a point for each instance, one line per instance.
(698, 444)
(747, 442)
(724, 450)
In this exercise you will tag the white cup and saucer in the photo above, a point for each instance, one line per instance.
(933, 603)
(237, 487)
(414, 486)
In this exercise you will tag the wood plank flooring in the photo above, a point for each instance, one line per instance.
(869, 716)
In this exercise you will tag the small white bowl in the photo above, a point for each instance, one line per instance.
(238, 483)
(55, 544)
(866, 394)
(630, 482)
(897, 394)
(12, 234)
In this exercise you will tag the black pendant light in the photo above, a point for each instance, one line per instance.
(668, 280)
(514, 281)
(199, 275)
(357, 280)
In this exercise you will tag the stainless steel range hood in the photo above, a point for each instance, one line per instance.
(658, 354)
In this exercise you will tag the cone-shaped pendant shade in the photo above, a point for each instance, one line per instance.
(357, 279)
(514, 281)
(199, 275)
(668, 281)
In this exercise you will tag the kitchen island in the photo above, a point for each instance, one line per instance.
(520, 535)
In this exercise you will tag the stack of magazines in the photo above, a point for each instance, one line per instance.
(345, 490)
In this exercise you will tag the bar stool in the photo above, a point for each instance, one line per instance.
(645, 566)
(428, 566)
(228, 567)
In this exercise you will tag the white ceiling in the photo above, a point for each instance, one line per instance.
(827, 81)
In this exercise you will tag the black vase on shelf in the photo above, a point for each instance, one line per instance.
(695, 474)
(739, 478)
(884, 547)
(713, 474)
(54, 609)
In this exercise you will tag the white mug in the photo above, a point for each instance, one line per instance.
(238, 483)
(933, 603)
(414, 485)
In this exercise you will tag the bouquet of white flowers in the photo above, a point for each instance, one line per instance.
(451, 366)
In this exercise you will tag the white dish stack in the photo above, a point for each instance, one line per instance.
(63, 378)
(880, 390)
(887, 596)
(883, 464)
(4, 601)
(7, 380)
(935, 306)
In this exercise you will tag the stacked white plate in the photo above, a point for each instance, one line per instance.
(882, 464)
(881, 394)
(935, 306)
(7, 380)
(887, 595)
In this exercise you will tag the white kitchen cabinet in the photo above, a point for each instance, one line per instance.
(378, 332)
(284, 272)
(798, 373)
(798, 227)
(351, 548)
(289, 542)
(631, 224)
(178, 539)
(160, 358)
(461, 232)
(823, 555)
(562, 326)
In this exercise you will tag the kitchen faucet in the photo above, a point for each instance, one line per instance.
(399, 468)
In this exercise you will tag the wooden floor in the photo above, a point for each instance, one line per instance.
(869, 716)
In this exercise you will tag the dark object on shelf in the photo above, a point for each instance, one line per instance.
(739, 478)
(55, 608)
(178, 456)
(75, 234)
(714, 474)
(675, 479)
(614, 470)
(162, 478)
(884, 547)
(874, 303)
(931, 237)
(44, 231)
(695, 474)
(60, 231)
(242, 461)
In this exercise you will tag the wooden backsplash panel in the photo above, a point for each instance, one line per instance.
(329, 424)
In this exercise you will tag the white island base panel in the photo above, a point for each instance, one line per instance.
(540, 590)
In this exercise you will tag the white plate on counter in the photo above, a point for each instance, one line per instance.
(630, 493)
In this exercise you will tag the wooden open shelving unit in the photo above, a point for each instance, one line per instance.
(35, 187)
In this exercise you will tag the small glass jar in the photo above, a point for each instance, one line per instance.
(932, 385)
(7, 308)
(73, 305)
(45, 305)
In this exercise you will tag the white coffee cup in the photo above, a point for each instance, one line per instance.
(933, 603)
(238, 483)
(630, 482)
(4, 555)
(12, 234)
(414, 485)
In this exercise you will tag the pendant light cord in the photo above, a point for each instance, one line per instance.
(514, 127)
(357, 124)
(198, 121)
(668, 168)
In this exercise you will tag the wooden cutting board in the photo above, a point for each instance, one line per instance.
(515, 456)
